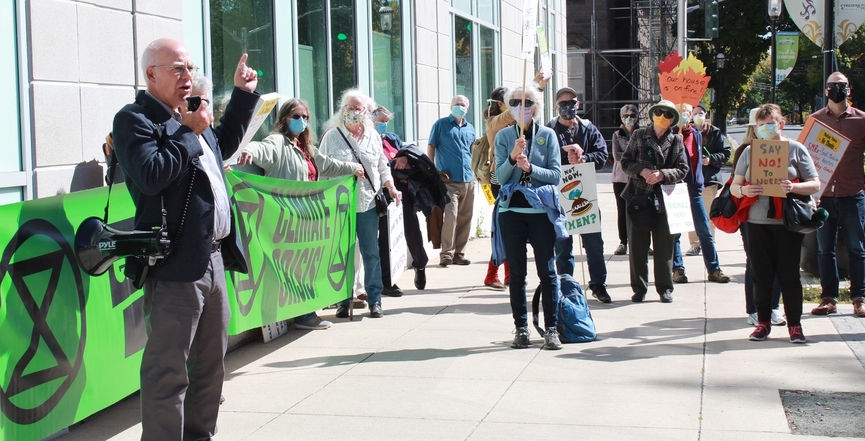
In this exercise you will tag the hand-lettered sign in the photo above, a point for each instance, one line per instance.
(682, 80)
(578, 194)
(826, 148)
(769, 160)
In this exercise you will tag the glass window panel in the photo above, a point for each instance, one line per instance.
(388, 61)
(343, 41)
(487, 63)
(312, 60)
(238, 26)
(9, 114)
(487, 10)
(463, 71)
(462, 5)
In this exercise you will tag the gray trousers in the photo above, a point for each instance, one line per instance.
(638, 256)
(183, 364)
(458, 214)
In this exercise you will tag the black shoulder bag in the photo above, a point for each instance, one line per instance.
(382, 200)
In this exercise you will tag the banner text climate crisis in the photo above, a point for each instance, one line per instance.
(303, 218)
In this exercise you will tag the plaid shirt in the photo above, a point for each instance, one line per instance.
(645, 151)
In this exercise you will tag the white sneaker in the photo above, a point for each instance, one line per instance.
(752, 319)
(313, 324)
(778, 318)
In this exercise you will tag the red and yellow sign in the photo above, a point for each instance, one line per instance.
(683, 80)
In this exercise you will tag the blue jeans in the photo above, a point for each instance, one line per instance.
(367, 240)
(701, 226)
(517, 229)
(847, 213)
(593, 243)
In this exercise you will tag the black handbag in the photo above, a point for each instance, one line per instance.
(643, 211)
(724, 205)
(382, 199)
(800, 216)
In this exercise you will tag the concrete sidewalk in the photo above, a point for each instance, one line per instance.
(438, 367)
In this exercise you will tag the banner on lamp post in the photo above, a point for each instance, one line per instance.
(787, 45)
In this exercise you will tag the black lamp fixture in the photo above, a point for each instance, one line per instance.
(720, 116)
(775, 7)
(386, 15)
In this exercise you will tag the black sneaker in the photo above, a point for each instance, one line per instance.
(375, 311)
(521, 341)
(392, 291)
(341, 311)
(601, 294)
(420, 278)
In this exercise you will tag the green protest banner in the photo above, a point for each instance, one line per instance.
(71, 345)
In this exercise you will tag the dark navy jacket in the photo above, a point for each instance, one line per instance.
(587, 136)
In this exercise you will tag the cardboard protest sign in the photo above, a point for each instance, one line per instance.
(677, 205)
(578, 195)
(263, 108)
(683, 80)
(826, 147)
(530, 26)
(769, 160)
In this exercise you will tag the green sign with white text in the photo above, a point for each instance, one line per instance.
(71, 345)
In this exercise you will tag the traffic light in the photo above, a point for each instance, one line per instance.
(710, 8)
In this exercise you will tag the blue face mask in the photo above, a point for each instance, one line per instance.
(458, 111)
(767, 131)
(297, 126)
(381, 128)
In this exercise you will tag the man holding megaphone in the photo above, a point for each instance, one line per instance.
(172, 160)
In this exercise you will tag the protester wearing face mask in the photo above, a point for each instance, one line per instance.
(528, 210)
(630, 122)
(655, 156)
(715, 154)
(692, 140)
(773, 250)
(288, 153)
(844, 199)
(450, 143)
(353, 139)
(580, 141)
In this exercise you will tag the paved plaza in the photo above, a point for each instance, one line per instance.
(438, 366)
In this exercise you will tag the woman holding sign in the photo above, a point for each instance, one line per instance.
(528, 166)
(773, 251)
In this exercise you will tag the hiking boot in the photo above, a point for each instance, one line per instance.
(752, 319)
(859, 307)
(621, 250)
(693, 251)
(778, 318)
(314, 323)
(601, 294)
(460, 260)
(551, 340)
(718, 276)
(666, 297)
(762, 331)
(796, 335)
(826, 307)
(521, 340)
(392, 291)
(679, 276)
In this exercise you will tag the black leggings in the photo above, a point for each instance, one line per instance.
(773, 251)
(621, 205)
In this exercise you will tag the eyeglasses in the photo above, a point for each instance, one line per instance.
(839, 85)
(517, 102)
(567, 103)
(666, 113)
(305, 117)
(179, 69)
(629, 115)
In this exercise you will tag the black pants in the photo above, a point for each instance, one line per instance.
(413, 239)
(773, 252)
(621, 206)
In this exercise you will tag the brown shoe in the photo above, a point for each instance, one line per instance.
(859, 307)
(679, 276)
(496, 285)
(718, 276)
(826, 307)
(460, 260)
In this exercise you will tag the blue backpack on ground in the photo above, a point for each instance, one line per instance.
(575, 319)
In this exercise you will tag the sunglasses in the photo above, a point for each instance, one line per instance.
(567, 103)
(838, 85)
(629, 115)
(666, 113)
(517, 102)
(305, 117)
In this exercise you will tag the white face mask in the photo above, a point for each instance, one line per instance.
(699, 119)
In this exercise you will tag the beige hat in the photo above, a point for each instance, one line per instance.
(752, 117)
(666, 105)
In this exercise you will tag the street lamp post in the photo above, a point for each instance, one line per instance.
(386, 14)
(722, 115)
(774, 14)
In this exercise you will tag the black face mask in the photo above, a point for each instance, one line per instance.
(837, 93)
(568, 112)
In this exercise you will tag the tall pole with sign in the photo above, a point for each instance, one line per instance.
(828, 44)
